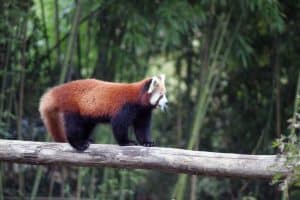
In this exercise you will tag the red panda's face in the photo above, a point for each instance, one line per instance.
(157, 91)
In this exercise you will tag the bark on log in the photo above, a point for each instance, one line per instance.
(138, 157)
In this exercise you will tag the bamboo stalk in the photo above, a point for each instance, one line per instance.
(62, 78)
(37, 180)
(91, 191)
(277, 88)
(57, 32)
(45, 30)
(39, 172)
(296, 104)
(123, 184)
(20, 103)
(194, 181)
(1, 182)
(206, 94)
(79, 182)
(51, 185)
(69, 52)
(104, 191)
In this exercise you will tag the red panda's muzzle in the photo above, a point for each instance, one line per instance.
(162, 102)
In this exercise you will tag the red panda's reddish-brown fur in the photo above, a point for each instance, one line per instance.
(88, 97)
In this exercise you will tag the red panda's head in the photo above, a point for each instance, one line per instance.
(157, 92)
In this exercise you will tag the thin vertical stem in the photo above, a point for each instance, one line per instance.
(296, 104)
(57, 33)
(65, 67)
(21, 99)
(92, 184)
(69, 52)
(81, 172)
(88, 43)
(285, 194)
(106, 173)
(62, 186)
(78, 52)
(39, 171)
(277, 91)
(45, 30)
(1, 181)
(179, 123)
(19, 130)
(3, 83)
(51, 188)
(122, 184)
(36, 184)
(194, 180)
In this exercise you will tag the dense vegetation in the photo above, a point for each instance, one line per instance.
(232, 72)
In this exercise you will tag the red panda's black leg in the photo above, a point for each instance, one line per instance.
(141, 127)
(120, 123)
(120, 131)
(78, 131)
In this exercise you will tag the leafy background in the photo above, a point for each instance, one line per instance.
(232, 70)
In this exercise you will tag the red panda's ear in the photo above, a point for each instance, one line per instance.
(162, 77)
(153, 84)
(147, 85)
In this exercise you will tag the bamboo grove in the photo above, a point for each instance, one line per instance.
(232, 71)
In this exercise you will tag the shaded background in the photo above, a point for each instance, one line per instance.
(231, 67)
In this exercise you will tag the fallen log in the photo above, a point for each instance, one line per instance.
(139, 157)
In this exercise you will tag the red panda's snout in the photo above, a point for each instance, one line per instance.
(163, 103)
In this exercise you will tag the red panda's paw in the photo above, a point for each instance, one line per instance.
(80, 145)
(149, 144)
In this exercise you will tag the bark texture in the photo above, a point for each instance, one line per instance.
(138, 157)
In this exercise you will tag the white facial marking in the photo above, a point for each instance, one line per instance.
(153, 84)
(163, 103)
(154, 98)
(157, 90)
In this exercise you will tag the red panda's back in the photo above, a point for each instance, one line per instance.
(94, 97)
(67, 96)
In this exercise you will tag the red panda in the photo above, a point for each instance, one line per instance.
(71, 111)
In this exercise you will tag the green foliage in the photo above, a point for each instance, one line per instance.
(290, 147)
(231, 69)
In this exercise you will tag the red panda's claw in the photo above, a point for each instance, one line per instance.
(148, 144)
(82, 146)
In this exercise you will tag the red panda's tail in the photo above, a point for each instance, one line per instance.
(52, 118)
